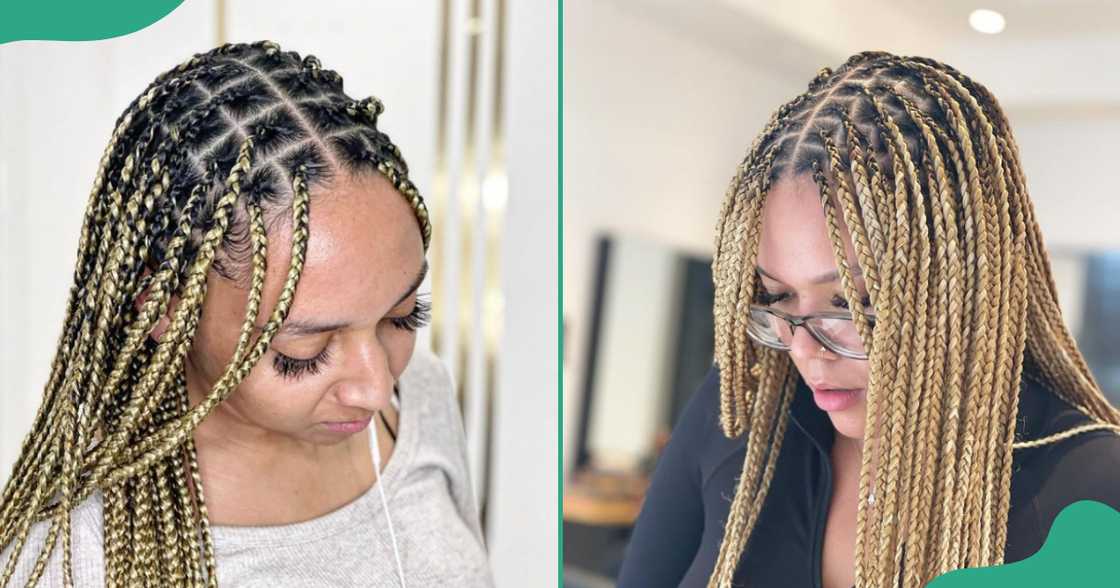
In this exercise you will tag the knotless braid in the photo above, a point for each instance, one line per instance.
(917, 162)
(198, 168)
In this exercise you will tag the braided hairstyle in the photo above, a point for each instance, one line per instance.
(919, 163)
(213, 152)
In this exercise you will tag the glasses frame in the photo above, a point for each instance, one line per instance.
(803, 320)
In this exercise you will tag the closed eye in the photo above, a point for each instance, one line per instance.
(419, 318)
(766, 298)
(840, 302)
(294, 368)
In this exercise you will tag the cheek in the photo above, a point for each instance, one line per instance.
(399, 346)
(858, 371)
(212, 348)
(275, 403)
(215, 339)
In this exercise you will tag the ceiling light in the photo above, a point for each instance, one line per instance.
(987, 21)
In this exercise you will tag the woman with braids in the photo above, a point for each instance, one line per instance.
(237, 358)
(895, 394)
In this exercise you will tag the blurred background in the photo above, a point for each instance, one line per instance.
(662, 100)
(470, 89)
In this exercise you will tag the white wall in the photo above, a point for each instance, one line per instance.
(1068, 163)
(525, 486)
(656, 120)
(385, 49)
(1069, 158)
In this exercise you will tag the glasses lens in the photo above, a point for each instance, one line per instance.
(839, 333)
(768, 329)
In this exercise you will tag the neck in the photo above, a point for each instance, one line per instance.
(847, 454)
(851, 445)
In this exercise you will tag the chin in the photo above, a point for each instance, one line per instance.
(850, 423)
(326, 439)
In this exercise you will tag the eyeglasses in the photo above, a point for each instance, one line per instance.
(836, 331)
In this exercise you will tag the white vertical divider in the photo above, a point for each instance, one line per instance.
(477, 396)
(449, 218)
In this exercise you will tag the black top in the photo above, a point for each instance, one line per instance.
(678, 533)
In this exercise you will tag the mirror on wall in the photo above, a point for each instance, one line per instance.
(650, 346)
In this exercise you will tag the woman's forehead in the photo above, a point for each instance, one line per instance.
(364, 250)
(794, 244)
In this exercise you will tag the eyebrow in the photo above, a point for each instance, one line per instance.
(299, 328)
(415, 283)
(825, 278)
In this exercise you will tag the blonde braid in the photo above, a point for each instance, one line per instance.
(767, 427)
(746, 248)
(874, 203)
(931, 149)
(1009, 254)
(946, 295)
(731, 414)
(875, 247)
(176, 334)
(885, 450)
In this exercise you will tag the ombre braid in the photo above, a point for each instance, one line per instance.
(212, 153)
(917, 161)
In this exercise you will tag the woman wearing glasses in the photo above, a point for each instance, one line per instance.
(894, 394)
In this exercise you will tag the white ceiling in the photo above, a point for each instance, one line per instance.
(1053, 55)
(1030, 20)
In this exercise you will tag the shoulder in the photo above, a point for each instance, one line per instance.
(1083, 467)
(698, 426)
(87, 549)
(698, 435)
(430, 403)
(426, 386)
(426, 374)
(701, 414)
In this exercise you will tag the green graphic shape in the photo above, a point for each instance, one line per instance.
(78, 20)
(1081, 551)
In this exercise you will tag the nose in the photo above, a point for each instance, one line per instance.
(804, 347)
(366, 382)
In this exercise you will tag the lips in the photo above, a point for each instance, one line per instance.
(347, 427)
(831, 397)
(828, 386)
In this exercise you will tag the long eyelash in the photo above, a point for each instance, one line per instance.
(419, 318)
(766, 298)
(294, 368)
(843, 303)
